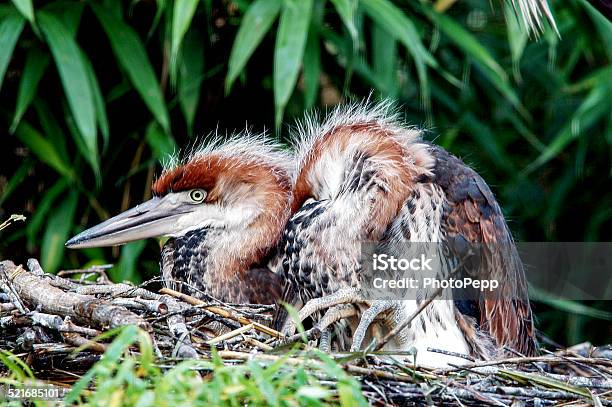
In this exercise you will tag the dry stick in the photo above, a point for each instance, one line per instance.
(545, 359)
(37, 292)
(77, 340)
(221, 312)
(230, 335)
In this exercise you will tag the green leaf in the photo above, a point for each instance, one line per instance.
(43, 205)
(346, 9)
(68, 12)
(384, 59)
(312, 68)
(162, 144)
(595, 106)
(43, 149)
(400, 27)
(181, 20)
(476, 51)
(53, 131)
(133, 58)
(566, 305)
(56, 233)
(517, 37)
(289, 50)
(10, 30)
(25, 8)
(99, 103)
(397, 24)
(126, 269)
(255, 24)
(17, 178)
(74, 77)
(191, 76)
(604, 26)
(35, 65)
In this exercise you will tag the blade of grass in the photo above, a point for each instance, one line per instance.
(289, 50)
(255, 24)
(133, 58)
(74, 78)
(10, 30)
(33, 71)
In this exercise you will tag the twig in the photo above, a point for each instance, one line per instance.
(221, 312)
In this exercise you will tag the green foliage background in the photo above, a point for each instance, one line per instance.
(95, 93)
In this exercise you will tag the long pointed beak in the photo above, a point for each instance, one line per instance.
(156, 217)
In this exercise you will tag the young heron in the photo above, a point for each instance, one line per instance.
(364, 177)
(223, 208)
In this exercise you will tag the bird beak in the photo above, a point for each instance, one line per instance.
(154, 218)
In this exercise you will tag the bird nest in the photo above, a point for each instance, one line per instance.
(56, 324)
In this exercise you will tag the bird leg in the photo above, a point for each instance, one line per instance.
(332, 315)
(342, 296)
(366, 320)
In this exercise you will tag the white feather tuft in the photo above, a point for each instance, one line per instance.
(243, 147)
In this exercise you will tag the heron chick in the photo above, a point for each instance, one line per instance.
(363, 177)
(223, 208)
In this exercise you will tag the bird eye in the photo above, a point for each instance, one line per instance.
(197, 195)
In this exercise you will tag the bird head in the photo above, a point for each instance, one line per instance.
(232, 186)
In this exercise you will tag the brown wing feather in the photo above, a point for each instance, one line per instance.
(473, 215)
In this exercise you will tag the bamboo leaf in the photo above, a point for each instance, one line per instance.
(289, 50)
(43, 149)
(346, 9)
(568, 306)
(162, 145)
(99, 103)
(126, 268)
(312, 68)
(35, 65)
(74, 78)
(181, 20)
(604, 26)
(25, 8)
(43, 206)
(399, 26)
(594, 107)
(465, 41)
(255, 24)
(384, 59)
(133, 59)
(191, 76)
(56, 233)
(10, 30)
